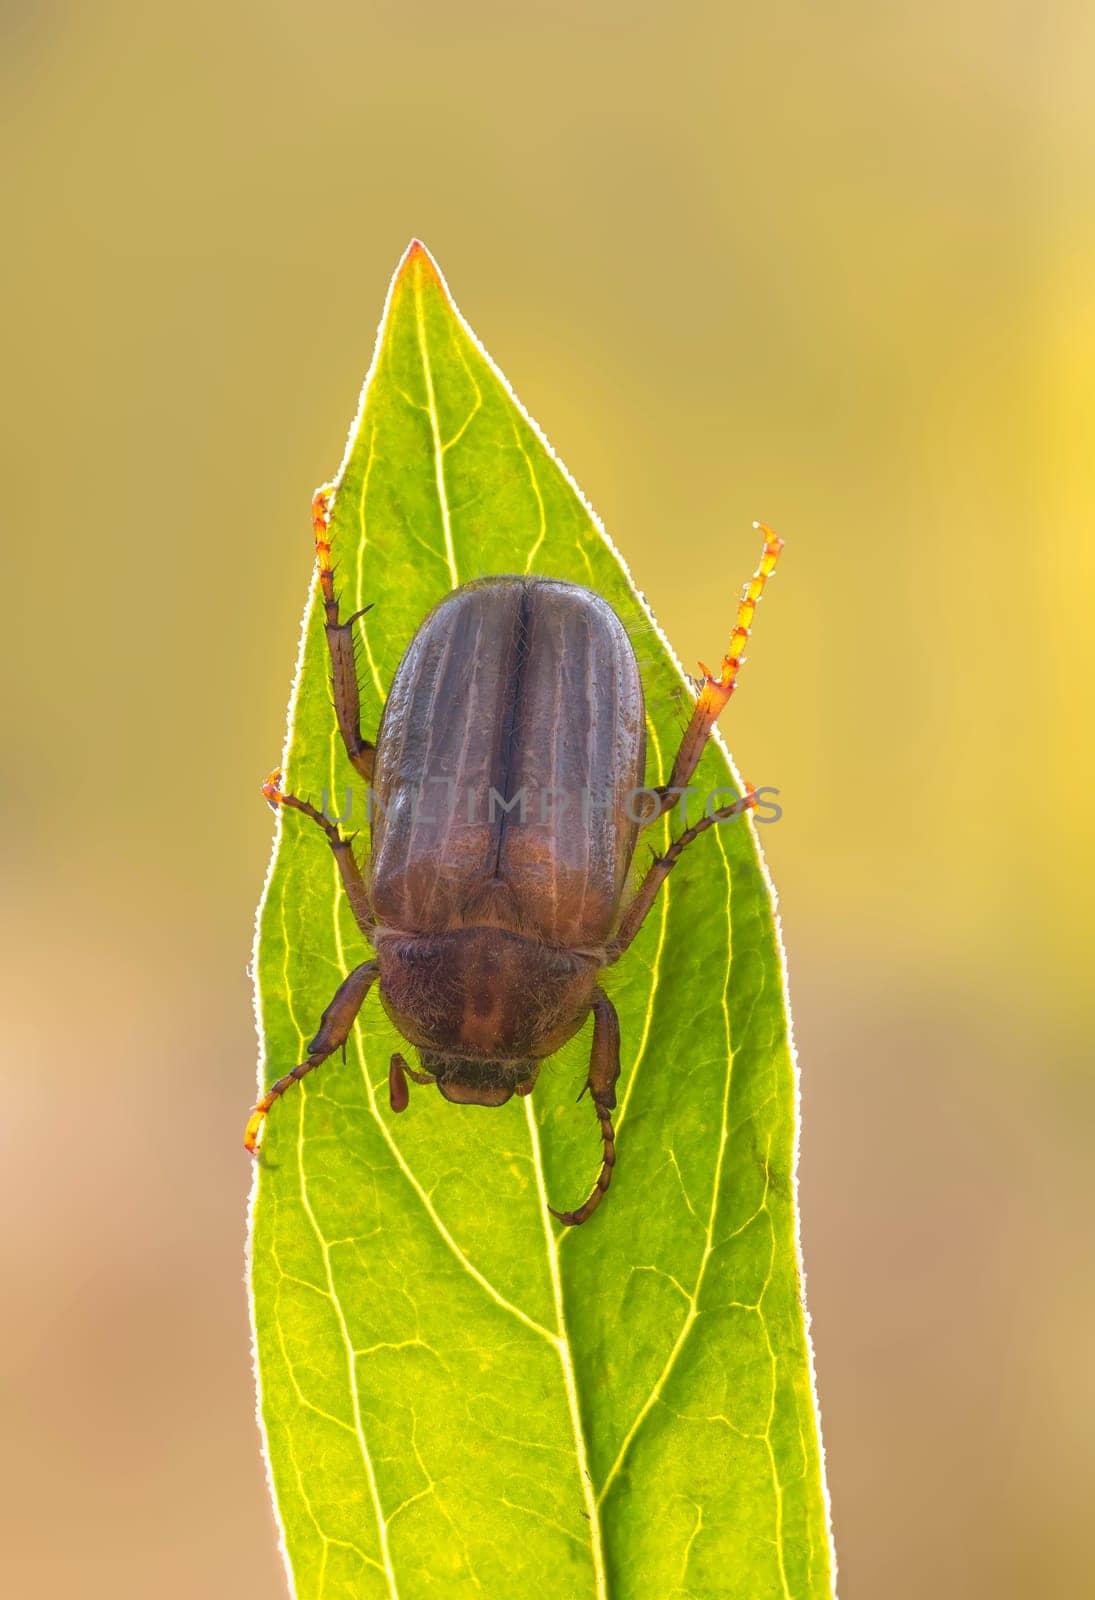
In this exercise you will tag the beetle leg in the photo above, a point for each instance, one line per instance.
(332, 1034)
(349, 871)
(715, 692)
(340, 643)
(604, 1069)
(645, 895)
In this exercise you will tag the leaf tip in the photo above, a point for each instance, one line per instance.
(418, 263)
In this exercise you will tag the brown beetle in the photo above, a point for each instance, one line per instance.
(491, 929)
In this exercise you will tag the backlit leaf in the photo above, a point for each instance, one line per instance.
(460, 1398)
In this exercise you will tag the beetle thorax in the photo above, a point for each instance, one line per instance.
(483, 1005)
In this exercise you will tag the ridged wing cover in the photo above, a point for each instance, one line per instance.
(527, 689)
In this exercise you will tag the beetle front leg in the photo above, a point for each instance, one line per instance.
(342, 849)
(332, 1034)
(340, 644)
(604, 1069)
(715, 692)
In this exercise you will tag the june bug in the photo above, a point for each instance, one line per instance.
(507, 788)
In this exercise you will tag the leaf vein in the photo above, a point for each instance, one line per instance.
(693, 1307)
(351, 1365)
(435, 428)
(566, 1361)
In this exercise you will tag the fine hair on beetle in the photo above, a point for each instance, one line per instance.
(492, 927)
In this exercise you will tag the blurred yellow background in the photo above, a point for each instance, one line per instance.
(828, 266)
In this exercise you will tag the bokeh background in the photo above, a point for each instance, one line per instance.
(828, 266)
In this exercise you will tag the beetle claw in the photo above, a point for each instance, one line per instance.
(251, 1132)
(271, 788)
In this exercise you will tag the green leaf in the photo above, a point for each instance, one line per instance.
(458, 1397)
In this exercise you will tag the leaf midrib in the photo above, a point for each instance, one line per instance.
(561, 1339)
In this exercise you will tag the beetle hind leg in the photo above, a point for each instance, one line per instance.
(715, 691)
(604, 1069)
(340, 644)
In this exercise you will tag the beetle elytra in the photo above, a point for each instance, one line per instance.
(491, 929)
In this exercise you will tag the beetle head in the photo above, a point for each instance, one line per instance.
(466, 1080)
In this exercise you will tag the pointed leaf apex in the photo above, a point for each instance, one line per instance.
(417, 260)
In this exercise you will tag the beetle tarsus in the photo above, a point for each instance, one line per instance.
(574, 1219)
(275, 1091)
(714, 689)
(604, 1069)
(331, 1035)
(341, 643)
(342, 848)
